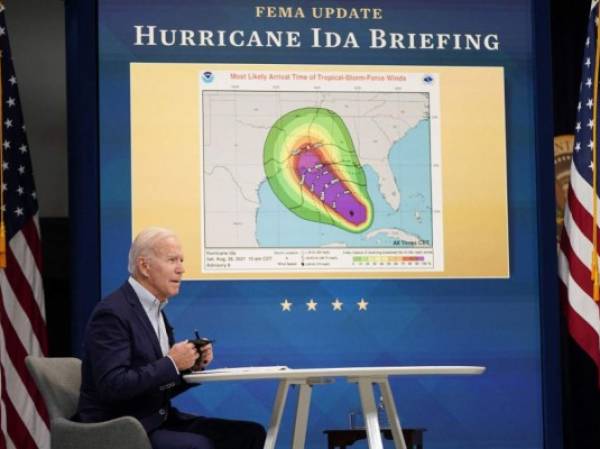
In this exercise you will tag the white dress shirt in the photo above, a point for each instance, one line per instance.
(153, 308)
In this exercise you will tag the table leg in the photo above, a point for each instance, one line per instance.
(365, 388)
(392, 413)
(301, 421)
(276, 415)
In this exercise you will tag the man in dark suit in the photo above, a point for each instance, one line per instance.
(132, 366)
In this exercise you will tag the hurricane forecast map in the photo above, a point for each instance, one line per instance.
(320, 172)
(313, 169)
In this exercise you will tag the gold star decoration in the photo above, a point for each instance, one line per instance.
(362, 304)
(337, 305)
(311, 306)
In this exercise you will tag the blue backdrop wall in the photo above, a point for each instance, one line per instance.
(491, 322)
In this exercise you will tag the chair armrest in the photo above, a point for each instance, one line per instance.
(121, 433)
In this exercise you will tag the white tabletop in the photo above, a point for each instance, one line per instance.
(256, 373)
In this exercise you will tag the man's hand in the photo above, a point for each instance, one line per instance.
(184, 355)
(206, 356)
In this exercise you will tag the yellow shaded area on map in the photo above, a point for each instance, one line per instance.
(167, 172)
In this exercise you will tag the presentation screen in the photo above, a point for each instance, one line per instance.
(324, 171)
(353, 184)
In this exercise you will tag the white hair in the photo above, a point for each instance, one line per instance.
(144, 244)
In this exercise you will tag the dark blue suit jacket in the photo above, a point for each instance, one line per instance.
(123, 370)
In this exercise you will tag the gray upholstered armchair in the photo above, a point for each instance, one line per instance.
(59, 379)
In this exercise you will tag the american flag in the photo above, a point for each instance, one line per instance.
(23, 417)
(581, 214)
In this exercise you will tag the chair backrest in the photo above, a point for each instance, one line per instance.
(58, 380)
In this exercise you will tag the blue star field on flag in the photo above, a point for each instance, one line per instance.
(20, 197)
(583, 149)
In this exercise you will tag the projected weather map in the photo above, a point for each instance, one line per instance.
(320, 172)
(312, 167)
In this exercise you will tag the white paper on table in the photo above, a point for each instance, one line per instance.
(244, 369)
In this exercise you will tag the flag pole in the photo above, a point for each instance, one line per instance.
(595, 274)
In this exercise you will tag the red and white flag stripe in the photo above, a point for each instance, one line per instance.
(23, 417)
(575, 256)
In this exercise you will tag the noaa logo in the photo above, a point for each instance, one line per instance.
(208, 77)
(428, 79)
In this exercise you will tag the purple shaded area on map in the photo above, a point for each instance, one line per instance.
(319, 179)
